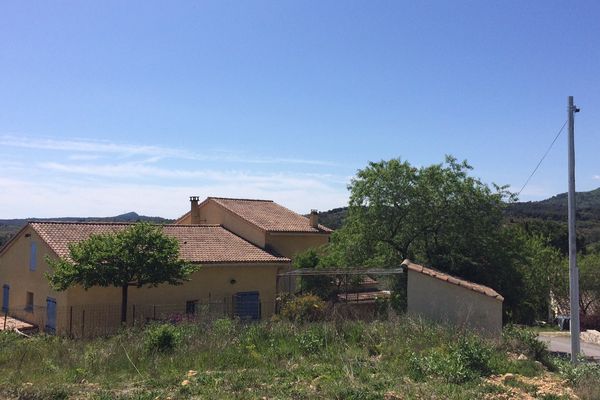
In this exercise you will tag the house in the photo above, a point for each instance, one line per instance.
(440, 297)
(241, 245)
(264, 223)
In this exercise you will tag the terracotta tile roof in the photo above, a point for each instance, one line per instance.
(450, 279)
(268, 215)
(13, 323)
(198, 243)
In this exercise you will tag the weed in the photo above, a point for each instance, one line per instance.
(161, 338)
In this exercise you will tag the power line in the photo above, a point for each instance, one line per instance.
(543, 157)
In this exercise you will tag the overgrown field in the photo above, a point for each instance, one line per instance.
(404, 359)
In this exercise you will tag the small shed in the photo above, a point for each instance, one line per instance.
(440, 297)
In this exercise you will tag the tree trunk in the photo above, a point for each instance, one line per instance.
(124, 304)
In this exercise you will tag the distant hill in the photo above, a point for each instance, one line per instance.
(8, 227)
(555, 209)
(552, 209)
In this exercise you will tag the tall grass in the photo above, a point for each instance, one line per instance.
(226, 359)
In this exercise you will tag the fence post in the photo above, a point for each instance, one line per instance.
(71, 321)
(5, 316)
(82, 323)
(133, 316)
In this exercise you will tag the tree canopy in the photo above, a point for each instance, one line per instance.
(141, 255)
(441, 216)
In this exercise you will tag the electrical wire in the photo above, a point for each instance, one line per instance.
(543, 157)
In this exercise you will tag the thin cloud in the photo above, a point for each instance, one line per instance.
(130, 150)
(596, 177)
(142, 170)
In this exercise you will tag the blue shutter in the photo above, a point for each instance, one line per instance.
(5, 290)
(247, 305)
(50, 315)
(32, 256)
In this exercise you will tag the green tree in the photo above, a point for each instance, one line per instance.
(140, 255)
(541, 269)
(319, 285)
(589, 282)
(438, 215)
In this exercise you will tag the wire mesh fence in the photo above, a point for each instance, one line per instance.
(91, 320)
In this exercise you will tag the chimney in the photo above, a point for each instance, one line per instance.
(194, 210)
(314, 219)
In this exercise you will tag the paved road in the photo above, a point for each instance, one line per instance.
(562, 344)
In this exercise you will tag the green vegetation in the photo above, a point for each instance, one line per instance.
(140, 255)
(441, 216)
(402, 359)
(305, 308)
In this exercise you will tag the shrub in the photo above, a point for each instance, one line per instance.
(161, 338)
(467, 359)
(224, 327)
(306, 308)
(312, 340)
(523, 340)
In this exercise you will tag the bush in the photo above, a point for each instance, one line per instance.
(306, 308)
(467, 359)
(525, 341)
(161, 338)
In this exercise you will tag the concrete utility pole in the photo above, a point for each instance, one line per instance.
(573, 271)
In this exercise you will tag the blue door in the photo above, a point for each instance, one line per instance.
(5, 290)
(247, 305)
(50, 315)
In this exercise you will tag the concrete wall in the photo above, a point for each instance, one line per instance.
(441, 301)
(289, 244)
(15, 272)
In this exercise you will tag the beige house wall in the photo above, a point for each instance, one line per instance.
(96, 311)
(290, 244)
(445, 302)
(211, 283)
(211, 213)
(15, 272)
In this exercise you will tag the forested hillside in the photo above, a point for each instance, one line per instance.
(8, 227)
(549, 216)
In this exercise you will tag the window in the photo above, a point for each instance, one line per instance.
(191, 307)
(29, 303)
(32, 256)
(5, 290)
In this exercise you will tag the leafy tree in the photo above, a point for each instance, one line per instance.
(319, 285)
(541, 269)
(589, 283)
(438, 214)
(141, 255)
(441, 216)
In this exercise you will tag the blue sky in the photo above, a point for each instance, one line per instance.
(112, 106)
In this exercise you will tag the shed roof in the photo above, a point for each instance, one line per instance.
(453, 280)
(197, 243)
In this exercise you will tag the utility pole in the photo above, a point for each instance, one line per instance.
(573, 271)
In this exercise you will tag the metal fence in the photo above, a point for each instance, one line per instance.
(91, 320)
